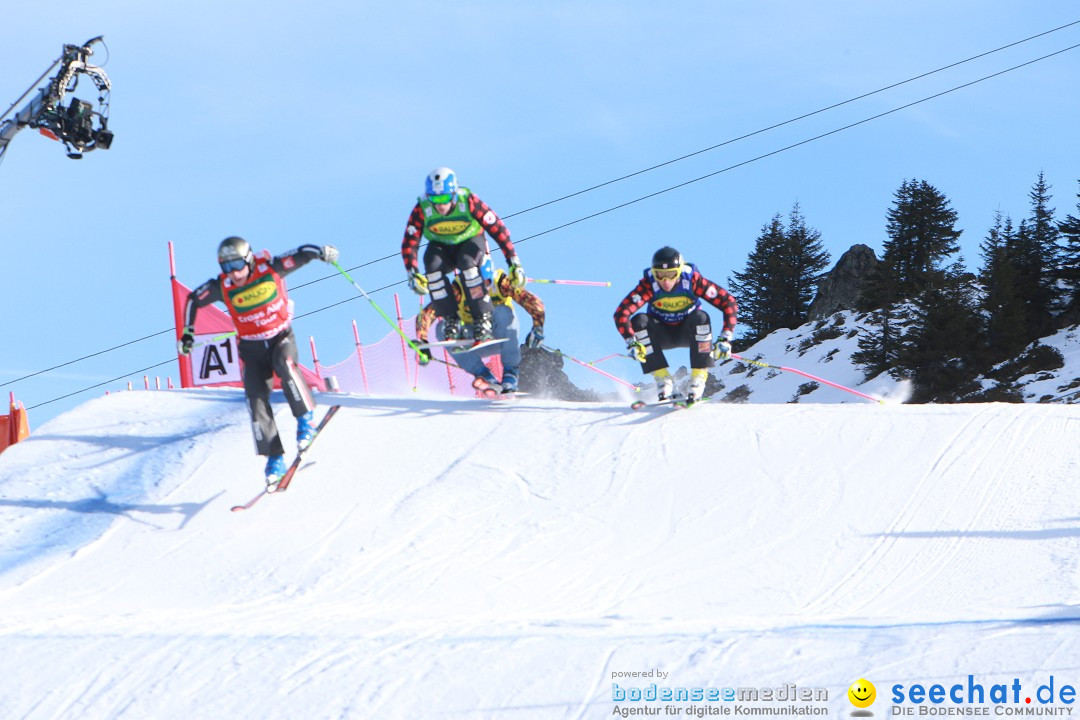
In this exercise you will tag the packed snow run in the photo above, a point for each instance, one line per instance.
(458, 558)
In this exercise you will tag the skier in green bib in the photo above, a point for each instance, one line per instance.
(453, 221)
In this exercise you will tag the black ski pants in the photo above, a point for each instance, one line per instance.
(263, 359)
(440, 262)
(695, 332)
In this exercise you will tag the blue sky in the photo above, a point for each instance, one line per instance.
(317, 122)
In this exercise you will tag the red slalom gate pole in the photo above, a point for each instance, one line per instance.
(360, 357)
(763, 364)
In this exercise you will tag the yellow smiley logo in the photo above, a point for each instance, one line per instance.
(862, 693)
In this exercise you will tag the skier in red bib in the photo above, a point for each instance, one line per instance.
(673, 290)
(453, 220)
(252, 288)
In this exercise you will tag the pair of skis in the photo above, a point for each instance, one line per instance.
(283, 484)
(460, 346)
(490, 393)
(678, 402)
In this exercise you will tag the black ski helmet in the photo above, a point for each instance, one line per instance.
(234, 248)
(667, 257)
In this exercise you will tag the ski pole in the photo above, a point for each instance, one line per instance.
(214, 340)
(407, 339)
(590, 283)
(763, 364)
(385, 317)
(590, 366)
(608, 357)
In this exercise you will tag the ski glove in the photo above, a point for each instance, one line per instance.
(637, 350)
(722, 348)
(423, 356)
(187, 340)
(517, 273)
(535, 337)
(418, 282)
(329, 254)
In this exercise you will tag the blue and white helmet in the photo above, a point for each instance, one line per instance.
(441, 185)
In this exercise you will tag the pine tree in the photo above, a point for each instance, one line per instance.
(940, 348)
(805, 258)
(922, 233)
(781, 275)
(755, 286)
(1070, 256)
(1035, 257)
(880, 299)
(1004, 330)
(924, 311)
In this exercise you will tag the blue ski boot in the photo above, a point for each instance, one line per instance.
(509, 382)
(305, 430)
(275, 470)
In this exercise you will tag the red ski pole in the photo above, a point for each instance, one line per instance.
(589, 283)
(590, 366)
(763, 364)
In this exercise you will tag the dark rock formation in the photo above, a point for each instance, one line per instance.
(839, 289)
(542, 375)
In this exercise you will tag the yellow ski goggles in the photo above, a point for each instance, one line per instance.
(667, 273)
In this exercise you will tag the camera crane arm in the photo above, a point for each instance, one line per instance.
(74, 124)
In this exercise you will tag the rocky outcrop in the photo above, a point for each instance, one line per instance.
(542, 375)
(840, 288)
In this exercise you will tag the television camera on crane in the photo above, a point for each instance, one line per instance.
(78, 125)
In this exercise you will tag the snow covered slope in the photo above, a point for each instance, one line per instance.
(463, 559)
(824, 348)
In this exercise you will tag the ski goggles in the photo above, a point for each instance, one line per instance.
(442, 199)
(666, 273)
(233, 265)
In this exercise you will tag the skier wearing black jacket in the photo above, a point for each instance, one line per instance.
(252, 288)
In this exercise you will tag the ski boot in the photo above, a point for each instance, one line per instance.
(509, 382)
(275, 471)
(485, 385)
(451, 328)
(305, 430)
(482, 331)
(665, 385)
(697, 385)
